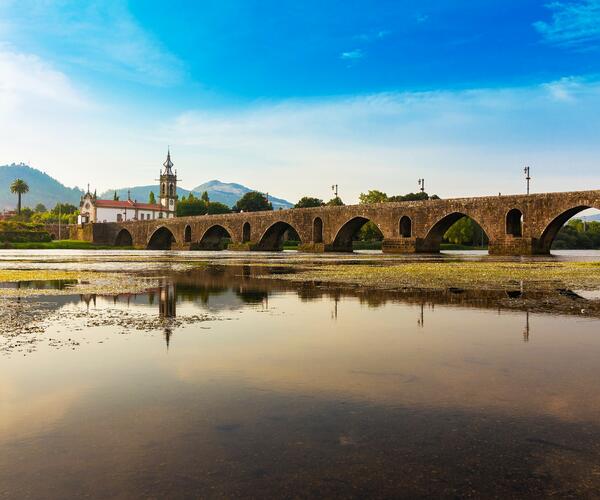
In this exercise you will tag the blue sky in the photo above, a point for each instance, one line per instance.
(290, 97)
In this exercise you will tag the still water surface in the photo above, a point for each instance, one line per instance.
(221, 384)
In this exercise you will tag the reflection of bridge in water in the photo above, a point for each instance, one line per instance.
(515, 225)
(226, 288)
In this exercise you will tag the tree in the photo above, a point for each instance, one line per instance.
(373, 196)
(214, 207)
(64, 208)
(308, 202)
(253, 201)
(335, 202)
(466, 231)
(19, 187)
(413, 197)
(205, 198)
(115, 197)
(40, 207)
(152, 198)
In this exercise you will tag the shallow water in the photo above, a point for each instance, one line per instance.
(219, 383)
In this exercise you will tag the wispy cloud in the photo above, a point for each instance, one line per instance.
(352, 55)
(29, 81)
(464, 141)
(574, 25)
(99, 35)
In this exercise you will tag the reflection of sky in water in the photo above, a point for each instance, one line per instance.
(289, 374)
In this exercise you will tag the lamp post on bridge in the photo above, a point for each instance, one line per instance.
(527, 177)
(334, 188)
(421, 183)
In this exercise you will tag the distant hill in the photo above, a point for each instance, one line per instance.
(42, 188)
(229, 193)
(139, 193)
(589, 218)
(47, 190)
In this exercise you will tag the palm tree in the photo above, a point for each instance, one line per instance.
(20, 187)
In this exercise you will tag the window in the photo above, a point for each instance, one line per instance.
(119, 217)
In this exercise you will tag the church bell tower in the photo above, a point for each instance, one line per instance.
(168, 186)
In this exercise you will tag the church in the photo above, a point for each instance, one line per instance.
(92, 209)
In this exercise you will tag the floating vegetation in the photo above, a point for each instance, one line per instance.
(472, 275)
(72, 283)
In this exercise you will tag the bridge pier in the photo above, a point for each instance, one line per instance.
(516, 246)
(312, 247)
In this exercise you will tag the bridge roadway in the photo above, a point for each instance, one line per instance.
(514, 224)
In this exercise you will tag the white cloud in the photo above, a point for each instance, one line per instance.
(352, 54)
(29, 82)
(464, 142)
(574, 25)
(100, 35)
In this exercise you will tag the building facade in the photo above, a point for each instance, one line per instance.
(92, 209)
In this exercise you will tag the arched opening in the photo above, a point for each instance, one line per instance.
(215, 238)
(357, 234)
(455, 231)
(187, 234)
(514, 223)
(318, 230)
(562, 233)
(272, 239)
(161, 239)
(124, 239)
(246, 232)
(405, 226)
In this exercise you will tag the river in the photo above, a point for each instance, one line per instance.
(218, 382)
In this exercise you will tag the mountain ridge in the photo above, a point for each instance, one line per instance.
(47, 190)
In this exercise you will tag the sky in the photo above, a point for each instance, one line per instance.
(291, 97)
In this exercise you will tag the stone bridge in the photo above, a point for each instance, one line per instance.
(514, 224)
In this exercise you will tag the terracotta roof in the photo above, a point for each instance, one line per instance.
(129, 204)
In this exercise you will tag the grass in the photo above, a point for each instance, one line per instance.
(61, 245)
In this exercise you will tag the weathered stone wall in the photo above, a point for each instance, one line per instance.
(332, 228)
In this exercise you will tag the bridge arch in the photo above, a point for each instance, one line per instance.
(405, 226)
(317, 230)
(246, 232)
(161, 239)
(214, 238)
(436, 233)
(346, 233)
(124, 239)
(272, 238)
(514, 222)
(187, 234)
(554, 226)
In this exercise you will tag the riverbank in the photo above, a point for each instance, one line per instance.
(58, 245)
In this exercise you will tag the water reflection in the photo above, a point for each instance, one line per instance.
(304, 390)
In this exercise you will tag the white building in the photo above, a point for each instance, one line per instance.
(94, 210)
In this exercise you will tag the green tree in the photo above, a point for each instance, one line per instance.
(64, 208)
(253, 201)
(372, 196)
(152, 198)
(205, 197)
(214, 207)
(308, 202)
(191, 206)
(413, 197)
(19, 187)
(115, 197)
(40, 207)
(335, 202)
